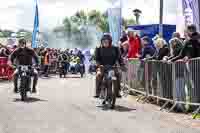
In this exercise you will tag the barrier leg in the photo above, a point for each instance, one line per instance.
(196, 113)
(157, 100)
(138, 99)
(145, 100)
(173, 107)
(166, 103)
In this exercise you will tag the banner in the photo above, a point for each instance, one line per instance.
(115, 21)
(191, 13)
(36, 27)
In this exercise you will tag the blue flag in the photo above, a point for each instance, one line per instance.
(36, 27)
(115, 21)
(191, 12)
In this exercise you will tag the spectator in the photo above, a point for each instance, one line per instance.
(124, 45)
(46, 62)
(4, 51)
(176, 35)
(162, 49)
(191, 50)
(147, 49)
(191, 47)
(124, 49)
(176, 47)
(161, 69)
(134, 44)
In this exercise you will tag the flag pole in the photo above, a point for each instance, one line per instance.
(161, 19)
(35, 26)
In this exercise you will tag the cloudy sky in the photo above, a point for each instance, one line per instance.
(15, 14)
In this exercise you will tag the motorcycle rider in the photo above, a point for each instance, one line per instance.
(74, 61)
(107, 54)
(82, 59)
(64, 60)
(23, 56)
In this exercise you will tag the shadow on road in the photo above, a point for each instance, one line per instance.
(30, 100)
(43, 77)
(123, 109)
(118, 108)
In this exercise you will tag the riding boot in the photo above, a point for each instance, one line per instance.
(98, 82)
(35, 83)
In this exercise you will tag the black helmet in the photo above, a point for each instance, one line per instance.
(106, 36)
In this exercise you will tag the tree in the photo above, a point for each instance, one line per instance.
(6, 33)
(76, 28)
(137, 13)
(94, 16)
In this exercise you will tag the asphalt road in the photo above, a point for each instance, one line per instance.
(67, 106)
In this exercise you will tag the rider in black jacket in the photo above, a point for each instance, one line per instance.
(107, 54)
(23, 56)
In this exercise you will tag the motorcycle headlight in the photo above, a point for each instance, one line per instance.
(24, 68)
(23, 74)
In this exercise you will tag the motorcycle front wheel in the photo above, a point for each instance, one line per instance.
(114, 94)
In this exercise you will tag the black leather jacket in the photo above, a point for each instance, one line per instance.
(108, 56)
(24, 56)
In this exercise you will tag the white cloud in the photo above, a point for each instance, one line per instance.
(17, 14)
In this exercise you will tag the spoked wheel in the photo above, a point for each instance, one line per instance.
(114, 95)
(102, 97)
(23, 89)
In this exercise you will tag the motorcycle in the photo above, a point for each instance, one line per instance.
(25, 80)
(62, 69)
(82, 69)
(108, 91)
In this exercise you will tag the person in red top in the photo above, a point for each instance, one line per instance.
(134, 44)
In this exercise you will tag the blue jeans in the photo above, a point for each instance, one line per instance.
(66, 66)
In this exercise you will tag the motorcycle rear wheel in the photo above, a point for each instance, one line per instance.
(114, 94)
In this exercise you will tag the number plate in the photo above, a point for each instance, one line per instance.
(24, 68)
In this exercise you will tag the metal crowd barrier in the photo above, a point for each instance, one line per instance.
(134, 77)
(177, 83)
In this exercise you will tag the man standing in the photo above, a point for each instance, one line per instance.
(191, 50)
(134, 44)
(191, 47)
